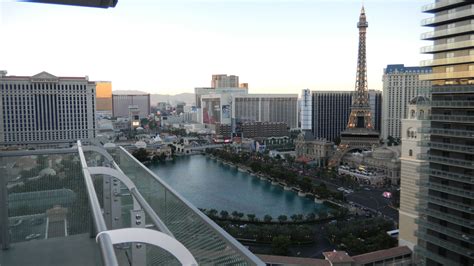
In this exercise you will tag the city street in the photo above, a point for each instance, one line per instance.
(365, 197)
(374, 201)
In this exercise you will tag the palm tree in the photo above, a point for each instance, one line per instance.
(282, 218)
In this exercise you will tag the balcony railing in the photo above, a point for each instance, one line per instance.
(453, 104)
(445, 230)
(67, 180)
(447, 175)
(445, 244)
(450, 132)
(433, 256)
(448, 17)
(446, 47)
(446, 160)
(450, 75)
(209, 243)
(449, 203)
(448, 217)
(452, 89)
(440, 4)
(432, 35)
(453, 118)
(450, 190)
(448, 61)
(446, 146)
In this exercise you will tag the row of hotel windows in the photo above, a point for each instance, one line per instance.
(10, 88)
(47, 136)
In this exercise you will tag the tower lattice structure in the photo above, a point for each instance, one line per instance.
(360, 133)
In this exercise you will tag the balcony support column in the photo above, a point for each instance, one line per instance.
(4, 224)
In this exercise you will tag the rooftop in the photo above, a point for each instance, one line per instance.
(381, 255)
(400, 68)
(337, 256)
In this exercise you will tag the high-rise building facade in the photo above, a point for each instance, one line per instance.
(44, 109)
(266, 108)
(225, 81)
(330, 113)
(400, 85)
(104, 96)
(121, 103)
(445, 228)
(306, 109)
(199, 92)
(331, 109)
(376, 103)
(415, 127)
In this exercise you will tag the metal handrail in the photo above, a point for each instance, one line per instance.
(105, 243)
(117, 173)
(254, 260)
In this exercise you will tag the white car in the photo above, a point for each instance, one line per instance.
(32, 236)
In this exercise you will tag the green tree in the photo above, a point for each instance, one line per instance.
(251, 217)
(235, 215)
(212, 213)
(282, 218)
(141, 154)
(267, 218)
(311, 216)
(144, 121)
(280, 245)
(224, 215)
(294, 217)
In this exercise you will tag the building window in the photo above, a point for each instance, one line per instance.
(410, 153)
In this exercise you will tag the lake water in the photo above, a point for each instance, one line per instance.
(209, 184)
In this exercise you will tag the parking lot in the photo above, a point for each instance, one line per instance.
(27, 228)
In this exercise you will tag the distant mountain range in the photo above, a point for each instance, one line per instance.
(188, 98)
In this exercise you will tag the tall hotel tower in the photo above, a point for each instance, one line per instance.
(445, 228)
(44, 109)
(400, 85)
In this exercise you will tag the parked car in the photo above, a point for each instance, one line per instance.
(32, 236)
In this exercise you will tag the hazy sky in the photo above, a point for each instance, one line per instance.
(172, 46)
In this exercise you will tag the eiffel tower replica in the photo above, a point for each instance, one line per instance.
(360, 133)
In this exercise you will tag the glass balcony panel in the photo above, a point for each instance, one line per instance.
(449, 203)
(451, 132)
(453, 104)
(448, 231)
(432, 35)
(433, 256)
(448, 217)
(440, 4)
(448, 17)
(446, 47)
(452, 89)
(445, 244)
(451, 190)
(447, 175)
(447, 147)
(452, 75)
(208, 243)
(448, 61)
(39, 183)
(48, 211)
(449, 161)
(454, 118)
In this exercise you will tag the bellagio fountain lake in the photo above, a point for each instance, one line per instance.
(210, 184)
